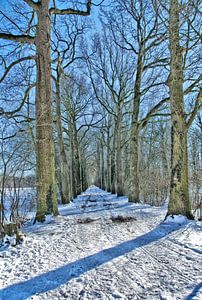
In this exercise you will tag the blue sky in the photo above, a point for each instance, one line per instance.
(3, 2)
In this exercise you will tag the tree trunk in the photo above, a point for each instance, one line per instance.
(102, 166)
(76, 184)
(77, 169)
(84, 182)
(63, 165)
(45, 169)
(119, 184)
(2, 194)
(98, 179)
(113, 165)
(70, 132)
(179, 195)
(108, 160)
(134, 192)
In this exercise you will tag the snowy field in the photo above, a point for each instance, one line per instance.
(90, 252)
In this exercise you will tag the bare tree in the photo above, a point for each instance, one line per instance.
(65, 52)
(179, 189)
(46, 183)
(136, 28)
(112, 89)
(16, 160)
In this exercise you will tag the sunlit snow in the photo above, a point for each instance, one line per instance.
(90, 252)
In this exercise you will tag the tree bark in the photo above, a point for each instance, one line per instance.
(179, 195)
(45, 171)
(72, 188)
(108, 160)
(76, 157)
(119, 183)
(84, 181)
(102, 166)
(113, 165)
(134, 192)
(45, 162)
(63, 169)
(98, 179)
(76, 180)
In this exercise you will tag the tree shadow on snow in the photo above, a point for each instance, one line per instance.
(53, 279)
(195, 291)
(105, 208)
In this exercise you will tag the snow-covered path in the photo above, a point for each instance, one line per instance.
(84, 254)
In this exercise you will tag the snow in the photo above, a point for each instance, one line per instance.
(179, 219)
(11, 240)
(86, 254)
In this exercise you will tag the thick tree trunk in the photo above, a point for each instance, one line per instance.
(134, 157)
(179, 196)
(63, 164)
(45, 169)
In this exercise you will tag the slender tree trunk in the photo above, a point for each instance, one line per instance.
(98, 165)
(84, 182)
(134, 193)
(126, 167)
(45, 170)
(70, 132)
(102, 166)
(113, 165)
(2, 192)
(179, 196)
(77, 170)
(108, 160)
(119, 183)
(76, 184)
(63, 168)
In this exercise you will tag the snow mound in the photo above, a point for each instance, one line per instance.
(177, 219)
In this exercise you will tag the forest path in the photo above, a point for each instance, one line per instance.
(86, 253)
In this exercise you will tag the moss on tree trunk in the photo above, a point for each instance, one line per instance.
(45, 169)
(179, 194)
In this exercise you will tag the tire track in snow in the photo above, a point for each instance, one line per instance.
(164, 245)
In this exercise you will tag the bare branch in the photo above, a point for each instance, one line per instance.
(198, 105)
(13, 64)
(11, 21)
(98, 3)
(145, 120)
(10, 136)
(17, 38)
(71, 11)
(34, 5)
(193, 85)
(11, 113)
